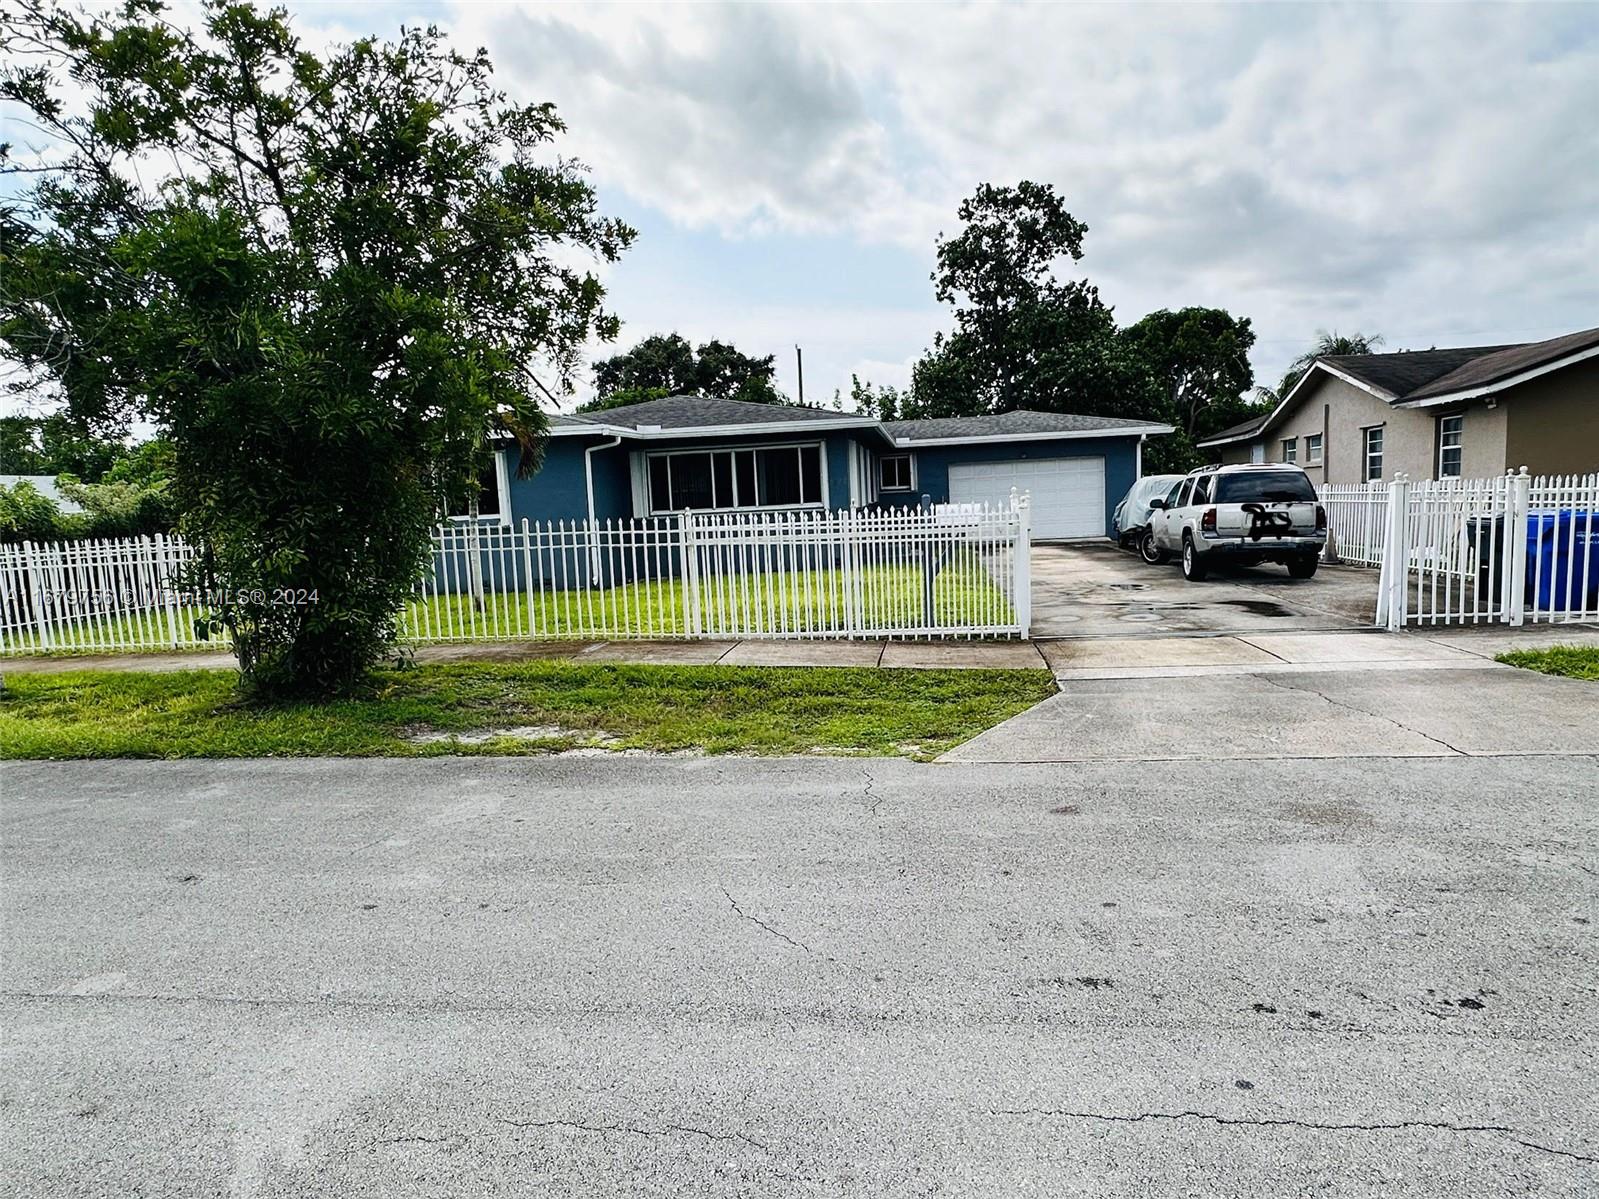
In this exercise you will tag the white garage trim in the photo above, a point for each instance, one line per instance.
(1068, 494)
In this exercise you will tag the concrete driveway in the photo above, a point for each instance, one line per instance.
(630, 977)
(1095, 590)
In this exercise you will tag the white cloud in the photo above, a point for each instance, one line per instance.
(1423, 171)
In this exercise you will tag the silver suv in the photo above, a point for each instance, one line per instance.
(1239, 515)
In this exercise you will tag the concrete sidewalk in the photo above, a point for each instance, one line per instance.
(1300, 652)
(916, 655)
(1300, 695)
(1086, 658)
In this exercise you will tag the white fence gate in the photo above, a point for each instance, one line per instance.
(948, 572)
(1502, 550)
(1357, 520)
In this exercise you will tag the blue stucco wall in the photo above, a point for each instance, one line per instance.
(557, 491)
(1120, 455)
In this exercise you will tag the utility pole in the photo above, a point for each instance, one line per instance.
(799, 365)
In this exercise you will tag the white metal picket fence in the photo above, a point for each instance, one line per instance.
(1505, 550)
(951, 572)
(98, 594)
(899, 574)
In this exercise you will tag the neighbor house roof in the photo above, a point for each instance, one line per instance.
(1022, 424)
(1242, 431)
(1396, 374)
(1507, 363)
(1425, 378)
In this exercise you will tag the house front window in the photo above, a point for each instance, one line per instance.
(1313, 449)
(1290, 449)
(788, 476)
(492, 494)
(1451, 445)
(894, 473)
(1371, 469)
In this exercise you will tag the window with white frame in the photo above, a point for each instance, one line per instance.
(1313, 449)
(1290, 449)
(894, 473)
(1371, 454)
(1451, 445)
(492, 495)
(787, 476)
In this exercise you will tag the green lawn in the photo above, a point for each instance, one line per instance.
(1572, 661)
(552, 705)
(889, 598)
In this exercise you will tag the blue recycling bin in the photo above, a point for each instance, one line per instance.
(1563, 560)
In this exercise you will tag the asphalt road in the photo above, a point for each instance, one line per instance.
(648, 977)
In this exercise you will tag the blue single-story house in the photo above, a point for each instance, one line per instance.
(667, 455)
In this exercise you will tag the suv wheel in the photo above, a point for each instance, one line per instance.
(1194, 568)
(1303, 566)
(1149, 551)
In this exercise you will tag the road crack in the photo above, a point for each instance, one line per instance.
(874, 800)
(665, 1130)
(1349, 707)
(446, 1139)
(1288, 1122)
(758, 922)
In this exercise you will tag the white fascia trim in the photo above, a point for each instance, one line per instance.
(1473, 393)
(916, 443)
(1210, 441)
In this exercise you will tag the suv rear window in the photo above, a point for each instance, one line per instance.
(1247, 486)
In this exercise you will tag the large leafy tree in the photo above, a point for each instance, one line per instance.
(326, 276)
(1201, 358)
(667, 364)
(1022, 335)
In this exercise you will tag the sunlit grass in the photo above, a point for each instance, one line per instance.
(1569, 661)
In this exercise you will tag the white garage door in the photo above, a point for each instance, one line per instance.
(1068, 493)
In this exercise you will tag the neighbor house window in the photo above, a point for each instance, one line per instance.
(1372, 454)
(1290, 449)
(492, 495)
(1313, 449)
(788, 476)
(894, 473)
(1451, 440)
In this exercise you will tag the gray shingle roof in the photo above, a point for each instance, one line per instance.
(1427, 374)
(690, 412)
(1512, 360)
(1397, 374)
(1236, 432)
(1021, 422)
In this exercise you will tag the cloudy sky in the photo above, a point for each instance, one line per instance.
(1427, 173)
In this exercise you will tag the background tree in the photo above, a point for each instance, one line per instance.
(56, 444)
(666, 364)
(1200, 356)
(1327, 345)
(1017, 327)
(327, 277)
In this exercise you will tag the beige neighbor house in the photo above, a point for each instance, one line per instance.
(1434, 414)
